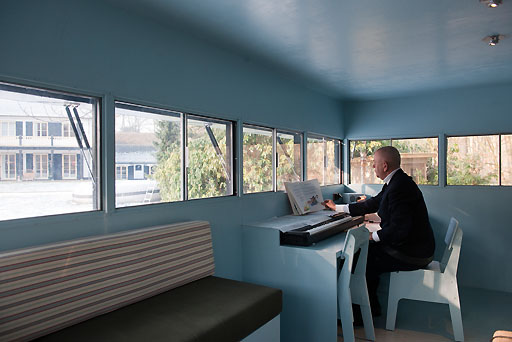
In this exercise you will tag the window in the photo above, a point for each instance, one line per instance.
(361, 160)
(67, 131)
(150, 167)
(42, 129)
(41, 165)
(8, 166)
(419, 159)
(121, 172)
(148, 137)
(473, 160)
(257, 159)
(506, 159)
(323, 160)
(69, 166)
(209, 165)
(289, 160)
(8, 129)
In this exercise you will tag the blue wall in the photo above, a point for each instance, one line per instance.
(96, 49)
(481, 210)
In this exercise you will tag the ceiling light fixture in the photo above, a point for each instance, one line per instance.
(494, 39)
(492, 3)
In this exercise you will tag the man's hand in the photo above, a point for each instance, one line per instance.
(329, 204)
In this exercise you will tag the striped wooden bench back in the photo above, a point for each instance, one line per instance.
(48, 288)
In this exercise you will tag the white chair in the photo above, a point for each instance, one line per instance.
(436, 283)
(352, 286)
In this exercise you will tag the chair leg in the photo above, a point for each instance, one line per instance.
(366, 312)
(393, 299)
(346, 316)
(458, 330)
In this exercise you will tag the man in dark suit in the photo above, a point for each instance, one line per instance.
(406, 241)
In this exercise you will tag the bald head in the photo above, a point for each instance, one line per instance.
(390, 155)
(385, 161)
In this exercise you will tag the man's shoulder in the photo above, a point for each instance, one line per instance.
(402, 179)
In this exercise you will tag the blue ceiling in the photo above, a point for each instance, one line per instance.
(360, 49)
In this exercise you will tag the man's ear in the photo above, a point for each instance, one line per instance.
(385, 167)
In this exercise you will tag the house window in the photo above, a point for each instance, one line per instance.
(8, 128)
(69, 166)
(43, 159)
(42, 129)
(9, 166)
(121, 172)
(323, 160)
(41, 166)
(67, 130)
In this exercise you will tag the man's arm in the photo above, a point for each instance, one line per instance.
(368, 206)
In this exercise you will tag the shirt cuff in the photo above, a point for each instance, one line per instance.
(342, 208)
(375, 237)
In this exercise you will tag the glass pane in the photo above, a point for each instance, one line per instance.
(257, 160)
(323, 160)
(419, 159)
(34, 180)
(289, 161)
(209, 158)
(506, 159)
(148, 155)
(472, 160)
(332, 165)
(361, 160)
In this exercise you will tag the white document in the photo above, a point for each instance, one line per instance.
(305, 197)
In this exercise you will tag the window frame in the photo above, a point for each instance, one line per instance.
(96, 101)
(183, 119)
(340, 156)
(499, 159)
(349, 168)
(272, 132)
(291, 132)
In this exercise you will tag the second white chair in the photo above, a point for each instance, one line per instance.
(436, 283)
(352, 286)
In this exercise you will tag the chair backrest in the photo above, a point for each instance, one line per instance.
(453, 241)
(357, 238)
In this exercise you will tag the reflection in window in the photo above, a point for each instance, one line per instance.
(53, 175)
(257, 159)
(419, 159)
(473, 160)
(147, 138)
(289, 161)
(506, 159)
(323, 160)
(209, 171)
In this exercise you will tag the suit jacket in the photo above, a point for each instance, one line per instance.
(404, 217)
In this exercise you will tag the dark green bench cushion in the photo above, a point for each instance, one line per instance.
(209, 309)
